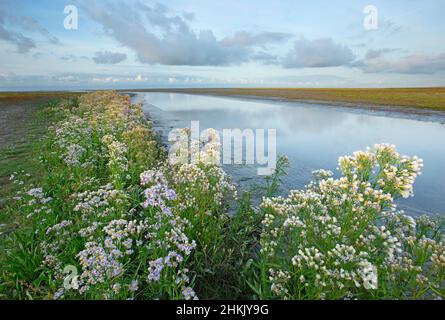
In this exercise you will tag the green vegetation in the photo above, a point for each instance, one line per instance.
(103, 214)
(35, 95)
(23, 124)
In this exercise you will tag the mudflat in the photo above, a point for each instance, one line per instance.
(411, 100)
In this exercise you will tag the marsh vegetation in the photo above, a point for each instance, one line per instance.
(108, 217)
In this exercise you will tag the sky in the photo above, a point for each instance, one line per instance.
(230, 43)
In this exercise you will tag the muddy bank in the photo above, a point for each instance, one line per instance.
(14, 119)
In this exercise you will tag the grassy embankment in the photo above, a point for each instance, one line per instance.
(98, 150)
(422, 98)
(23, 124)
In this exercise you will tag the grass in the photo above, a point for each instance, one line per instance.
(20, 150)
(422, 98)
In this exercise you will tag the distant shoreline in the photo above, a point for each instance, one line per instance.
(276, 95)
(426, 104)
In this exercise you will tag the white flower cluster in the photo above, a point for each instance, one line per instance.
(120, 245)
(196, 181)
(340, 236)
(103, 261)
(31, 201)
(99, 202)
(167, 231)
(74, 154)
(117, 160)
(73, 137)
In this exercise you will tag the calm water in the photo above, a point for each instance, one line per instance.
(312, 136)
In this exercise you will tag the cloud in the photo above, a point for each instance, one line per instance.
(158, 36)
(318, 53)
(389, 27)
(95, 80)
(190, 16)
(73, 58)
(265, 57)
(411, 64)
(38, 55)
(245, 38)
(28, 24)
(377, 53)
(32, 25)
(108, 57)
(23, 44)
(178, 44)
